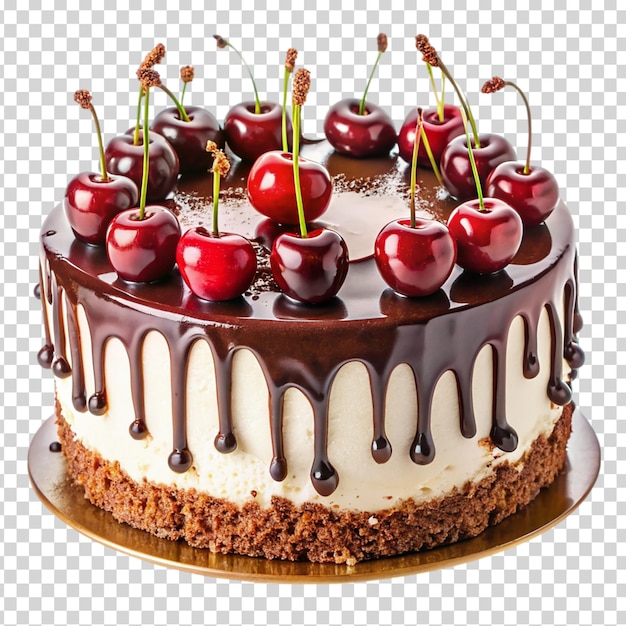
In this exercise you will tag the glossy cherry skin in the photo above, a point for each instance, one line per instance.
(310, 269)
(143, 251)
(349, 133)
(215, 267)
(456, 170)
(124, 158)
(189, 139)
(534, 195)
(250, 134)
(439, 133)
(272, 192)
(415, 261)
(91, 203)
(486, 240)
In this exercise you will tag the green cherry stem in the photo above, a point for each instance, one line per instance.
(382, 46)
(431, 57)
(497, 83)
(438, 99)
(138, 121)
(464, 103)
(146, 154)
(216, 197)
(103, 167)
(290, 63)
(179, 106)
(530, 128)
(186, 75)
(223, 43)
(296, 170)
(284, 111)
(362, 103)
(83, 98)
(431, 157)
(416, 146)
(443, 98)
(221, 167)
(470, 152)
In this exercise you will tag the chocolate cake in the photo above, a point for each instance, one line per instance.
(369, 425)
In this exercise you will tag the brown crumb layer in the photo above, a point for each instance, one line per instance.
(311, 531)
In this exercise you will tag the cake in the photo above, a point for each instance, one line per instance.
(369, 425)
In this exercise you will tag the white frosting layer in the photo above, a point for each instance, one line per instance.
(243, 475)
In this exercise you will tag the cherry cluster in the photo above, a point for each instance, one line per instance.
(415, 256)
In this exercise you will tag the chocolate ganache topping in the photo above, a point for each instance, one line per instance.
(304, 346)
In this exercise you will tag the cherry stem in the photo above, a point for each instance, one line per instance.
(530, 131)
(443, 99)
(257, 102)
(216, 196)
(438, 99)
(103, 167)
(431, 156)
(362, 103)
(464, 103)
(416, 146)
(138, 122)
(182, 93)
(470, 151)
(284, 111)
(296, 170)
(179, 106)
(146, 155)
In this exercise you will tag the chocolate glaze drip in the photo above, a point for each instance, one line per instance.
(60, 366)
(79, 399)
(45, 356)
(367, 323)
(278, 466)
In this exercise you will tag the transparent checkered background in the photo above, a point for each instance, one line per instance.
(569, 59)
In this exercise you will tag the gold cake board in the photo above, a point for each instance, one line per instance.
(49, 479)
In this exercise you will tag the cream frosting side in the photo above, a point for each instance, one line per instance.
(243, 475)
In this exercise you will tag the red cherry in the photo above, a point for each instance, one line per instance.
(91, 203)
(533, 195)
(487, 240)
(367, 135)
(143, 250)
(189, 139)
(456, 170)
(250, 134)
(415, 261)
(439, 133)
(216, 267)
(310, 269)
(271, 188)
(126, 159)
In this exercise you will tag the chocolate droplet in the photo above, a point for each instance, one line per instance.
(98, 403)
(278, 468)
(574, 355)
(138, 430)
(324, 478)
(423, 449)
(45, 356)
(504, 437)
(180, 460)
(225, 442)
(559, 392)
(61, 368)
(381, 450)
